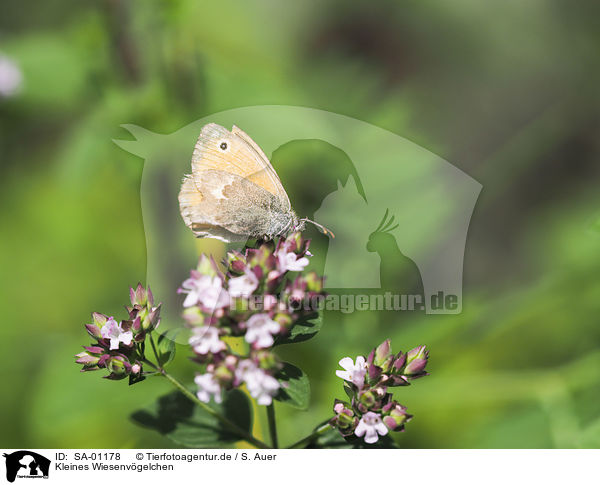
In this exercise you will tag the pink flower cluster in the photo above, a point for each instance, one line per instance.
(255, 298)
(373, 412)
(118, 347)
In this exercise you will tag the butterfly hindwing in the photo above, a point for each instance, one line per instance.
(230, 208)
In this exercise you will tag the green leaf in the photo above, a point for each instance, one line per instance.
(330, 439)
(349, 390)
(304, 329)
(295, 387)
(165, 346)
(179, 419)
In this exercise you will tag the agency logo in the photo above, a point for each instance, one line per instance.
(26, 464)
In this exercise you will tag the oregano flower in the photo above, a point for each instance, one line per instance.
(373, 411)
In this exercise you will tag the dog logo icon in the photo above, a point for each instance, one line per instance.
(26, 464)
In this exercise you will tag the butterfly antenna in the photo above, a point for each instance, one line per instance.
(323, 229)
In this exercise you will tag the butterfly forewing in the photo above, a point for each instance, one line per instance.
(233, 191)
(235, 152)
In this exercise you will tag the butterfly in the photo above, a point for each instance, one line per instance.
(233, 192)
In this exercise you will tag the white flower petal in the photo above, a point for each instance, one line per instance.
(127, 337)
(347, 363)
(361, 429)
(243, 286)
(298, 265)
(208, 386)
(371, 436)
(344, 374)
(265, 340)
(260, 330)
(261, 385)
(264, 400)
(191, 299)
(381, 428)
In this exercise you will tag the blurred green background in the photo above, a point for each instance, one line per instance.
(506, 91)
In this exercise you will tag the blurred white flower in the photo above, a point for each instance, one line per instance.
(206, 339)
(261, 330)
(208, 387)
(205, 290)
(11, 77)
(243, 286)
(291, 262)
(261, 385)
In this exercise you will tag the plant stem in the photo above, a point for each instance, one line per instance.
(155, 352)
(151, 364)
(226, 422)
(272, 425)
(234, 428)
(311, 437)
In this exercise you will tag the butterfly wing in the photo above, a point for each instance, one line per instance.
(235, 152)
(231, 208)
(233, 191)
